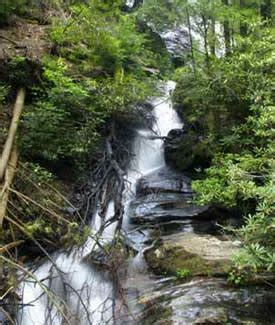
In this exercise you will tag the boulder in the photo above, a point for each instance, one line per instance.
(199, 255)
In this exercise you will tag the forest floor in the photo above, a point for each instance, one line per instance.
(24, 38)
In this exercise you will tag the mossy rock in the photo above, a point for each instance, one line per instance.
(176, 258)
(170, 258)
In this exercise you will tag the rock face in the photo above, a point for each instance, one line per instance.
(164, 196)
(163, 180)
(177, 43)
(198, 254)
(167, 210)
(185, 150)
(23, 38)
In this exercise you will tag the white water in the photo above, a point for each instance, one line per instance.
(149, 153)
(94, 287)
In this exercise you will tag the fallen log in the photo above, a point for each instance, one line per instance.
(18, 107)
(9, 175)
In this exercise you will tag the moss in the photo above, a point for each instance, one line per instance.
(157, 314)
(169, 260)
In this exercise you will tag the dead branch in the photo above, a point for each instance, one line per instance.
(7, 315)
(10, 246)
(50, 212)
(23, 172)
(10, 40)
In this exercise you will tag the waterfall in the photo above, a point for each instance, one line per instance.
(96, 288)
(148, 153)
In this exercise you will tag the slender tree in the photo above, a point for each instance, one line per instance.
(226, 31)
(190, 39)
(213, 35)
(205, 38)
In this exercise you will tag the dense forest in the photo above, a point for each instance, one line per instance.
(77, 80)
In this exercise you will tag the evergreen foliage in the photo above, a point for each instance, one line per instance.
(225, 94)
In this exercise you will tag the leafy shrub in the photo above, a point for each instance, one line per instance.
(183, 273)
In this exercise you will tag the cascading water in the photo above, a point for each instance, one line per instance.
(94, 287)
(148, 152)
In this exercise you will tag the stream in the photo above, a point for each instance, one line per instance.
(153, 195)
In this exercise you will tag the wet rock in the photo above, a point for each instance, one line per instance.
(212, 301)
(186, 150)
(199, 254)
(168, 211)
(172, 145)
(165, 196)
(173, 138)
(213, 317)
(163, 180)
(108, 256)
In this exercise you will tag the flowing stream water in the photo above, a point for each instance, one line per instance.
(96, 288)
(181, 302)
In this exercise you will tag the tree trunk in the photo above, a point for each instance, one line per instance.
(213, 36)
(205, 40)
(191, 40)
(226, 32)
